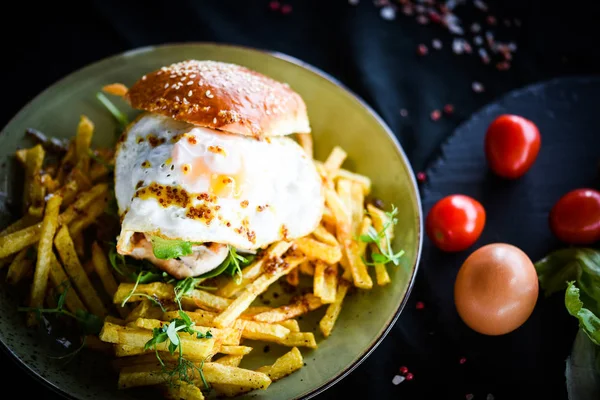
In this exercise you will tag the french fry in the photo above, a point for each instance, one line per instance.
(357, 206)
(33, 164)
(66, 164)
(343, 218)
(165, 291)
(324, 236)
(200, 317)
(38, 192)
(79, 243)
(231, 360)
(328, 321)
(26, 221)
(42, 265)
(88, 217)
(50, 185)
(124, 350)
(307, 268)
(83, 139)
(306, 142)
(363, 181)
(19, 268)
(98, 172)
(319, 251)
(116, 89)
(235, 350)
(325, 281)
(60, 280)
(115, 320)
(68, 192)
(145, 309)
(225, 389)
(262, 331)
(291, 324)
(335, 160)
(253, 271)
(78, 176)
(286, 364)
(18, 240)
(328, 217)
(21, 156)
(183, 391)
(66, 251)
(300, 306)
(100, 263)
(251, 291)
(146, 375)
(360, 275)
(137, 337)
(94, 343)
(293, 278)
(299, 339)
(344, 191)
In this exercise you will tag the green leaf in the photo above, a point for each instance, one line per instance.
(186, 318)
(588, 321)
(62, 298)
(119, 116)
(208, 335)
(379, 258)
(90, 323)
(166, 249)
(367, 239)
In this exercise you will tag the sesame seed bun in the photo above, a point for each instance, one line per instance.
(221, 96)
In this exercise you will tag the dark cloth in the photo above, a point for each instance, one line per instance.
(377, 59)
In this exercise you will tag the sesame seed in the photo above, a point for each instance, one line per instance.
(173, 76)
(190, 83)
(176, 98)
(166, 85)
(214, 120)
(209, 94)
(192, 76)
(190, 93)
(144, 77)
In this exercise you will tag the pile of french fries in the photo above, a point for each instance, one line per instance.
(65, 199)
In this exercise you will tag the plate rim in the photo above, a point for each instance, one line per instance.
(321, 74)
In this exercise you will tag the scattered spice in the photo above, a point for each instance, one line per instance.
(435, 115)
(420, 305)
(422, 50)
(409, 376)
(403, 370)
(449, 109)
(421, 177)
(286, 9)
(462, 360)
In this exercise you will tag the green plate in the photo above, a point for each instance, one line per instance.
(337, 117)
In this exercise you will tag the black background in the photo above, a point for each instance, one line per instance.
(377, 59)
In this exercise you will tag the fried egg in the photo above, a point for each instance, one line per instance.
(186, 182)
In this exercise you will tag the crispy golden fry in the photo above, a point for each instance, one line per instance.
(231, 360)
(98, 172)
(66, 250)
(183, 391)
(301, 305)
(253, 271)
(116, 89)
(49, 183)
(343, 218)
(83, 139)
(137, 337)
(146, 309)
(344, 191)
(165, 291)
(381, 273)
(22, 223)
(88, 218)
(364, 230)
(200, 317)
(60, 280)
(325, 281)
(124, 350)
(326, 179)
(318, 251)
(360, 275)
(68, 192)
(363, 181)
(38, 192)
(286, 364)
(306, 142)
(115, 320)
(328, 321)
(251, 291)
(323, 235)
(263, 331)
(235, 350)
(17, 241)
(19, 268)
(78, 176)
(293, 278)
(103, 270)
(307, 268)
(42, 265)
(33, 164)
(335, 160)
(66, 164)
(291, 324)
(146, 375)
(253, 310)
(328, 217)
(357, 206)
(381, 222)
(226, 336)
(299, 339)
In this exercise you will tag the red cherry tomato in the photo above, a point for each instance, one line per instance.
(575, 218)
(455, 222)
(512, 144)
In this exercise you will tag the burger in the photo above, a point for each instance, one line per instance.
(209, 169)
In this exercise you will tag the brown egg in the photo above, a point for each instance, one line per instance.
(496, 289)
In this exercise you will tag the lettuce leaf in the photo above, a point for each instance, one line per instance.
(588, 321)
(166, 249)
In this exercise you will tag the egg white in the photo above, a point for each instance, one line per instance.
(274, 192)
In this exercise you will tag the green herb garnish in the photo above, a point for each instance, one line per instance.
(100, 160)
(232, 266)
(119, 116)
(166, 249)
(386, 254)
